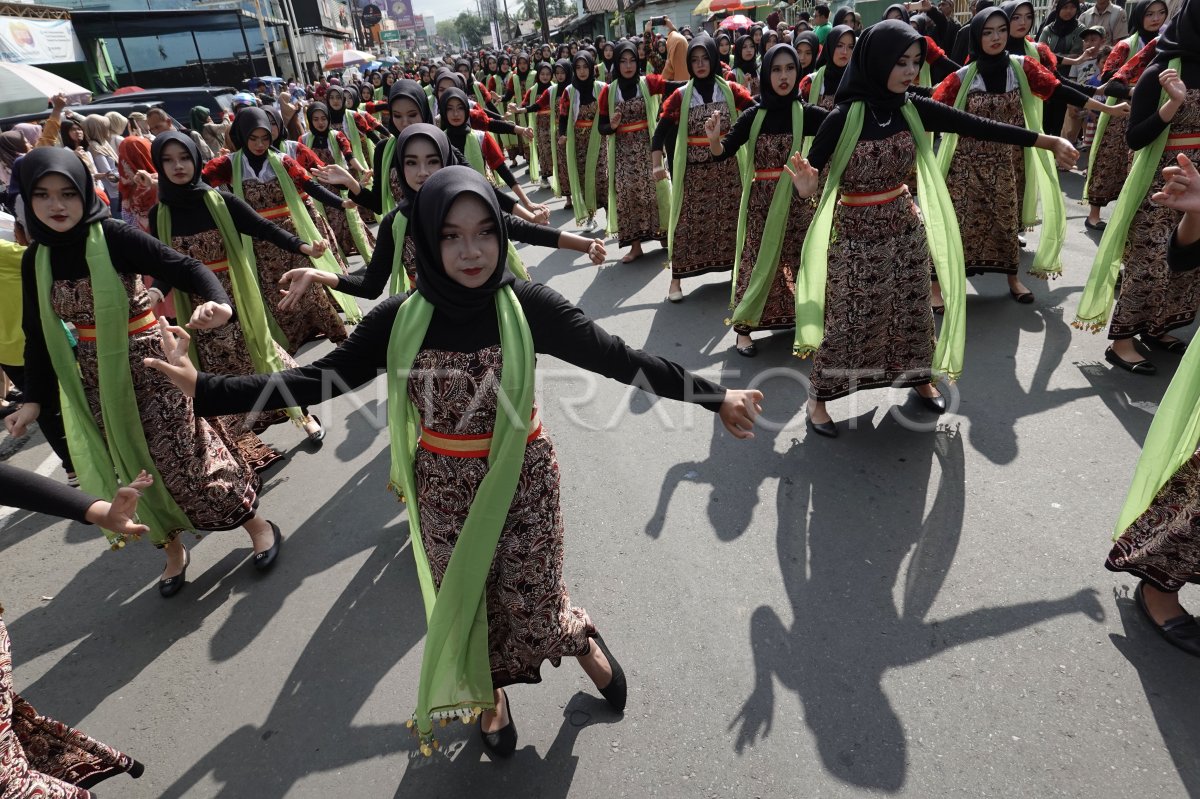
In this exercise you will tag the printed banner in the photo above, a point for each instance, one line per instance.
(38, 41)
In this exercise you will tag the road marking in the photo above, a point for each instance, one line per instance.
(44, 470)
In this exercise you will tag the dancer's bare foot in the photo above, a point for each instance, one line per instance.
(596, 666)
(817, 412)
(261, 534)
(634, 253)
(176, 559)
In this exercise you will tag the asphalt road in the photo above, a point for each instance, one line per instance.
(918, 608)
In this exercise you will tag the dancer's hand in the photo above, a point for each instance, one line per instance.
(210, 315)
(117, 516)
(19, 420)
(805, 177)
(1065, 154)
(314, 250)
(712, 127)
(659, 173)
(540, 212)
(335, 175)
(348, 204)
(597, 252)
(562, 141)
(1181, 192)
(1173, 85)
(295, 282)
(1120, 110)
(739, 410)
(178, 367)
(525, 133)
(614, 120)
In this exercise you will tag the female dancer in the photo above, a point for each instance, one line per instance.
(271, 184)
(820, 86)
(1157, 530)
(444, 349)
(1164, 123)
(1110, 158)
(481, 150)
(541, 150)
(702, 236)
(994, 186)
(408, 105)
(200, 223)
(546, 104)
(333, 147)
(873, 327)
(516, 85)
(86, 269)
(807, 47)
(745, 65)
(586, 160)
(639, 207)
(771, 221)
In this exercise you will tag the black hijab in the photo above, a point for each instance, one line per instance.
(748, 67)
(586, 88)
(875, 54)
(337, 116)
(318, 136)
(1180, 37)
(247, 121)
(1064, 27)
(429, 210)
(767, 97)
(408, 90)
(64, 134)
(896, 7)
(610, 61)
(420, 130)
(839, 16)
(992, 68)
(540, 87)
(277, 120)
(456, 134)
(169, 192)
(725, 59)
(1016, 44)
(43, 161)
(629, 86)
(565, 63)
(834, 73)
(705, 85)
(1137, 18)
(809, 38)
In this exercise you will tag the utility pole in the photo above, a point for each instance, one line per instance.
(545, 20)
(262, 31)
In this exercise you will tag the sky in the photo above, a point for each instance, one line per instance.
(443, 9)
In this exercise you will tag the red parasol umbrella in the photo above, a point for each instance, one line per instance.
(736, 21)
(348, 58)
(128, 90)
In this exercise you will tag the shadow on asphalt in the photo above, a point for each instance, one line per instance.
(839, 562)
(1168, 679)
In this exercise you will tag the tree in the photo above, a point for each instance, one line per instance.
(470, 27)
(560, 8)
(447, 31)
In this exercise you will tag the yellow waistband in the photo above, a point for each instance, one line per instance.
(767, 174)
(463, 446)
(138, 324)
(218, 266)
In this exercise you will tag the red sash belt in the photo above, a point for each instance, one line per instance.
(875, 198)
(1184, 141)
(634, 127)
(767, 174)
(463, 446)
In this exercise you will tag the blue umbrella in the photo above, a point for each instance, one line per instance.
(391, 60)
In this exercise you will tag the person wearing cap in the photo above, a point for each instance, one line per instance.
(1083, 72)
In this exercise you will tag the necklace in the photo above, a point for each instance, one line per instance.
(883, 124)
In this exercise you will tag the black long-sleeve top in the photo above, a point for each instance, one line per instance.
(559, 329)
(372, 197)
(369, 282)
(936, 117)
(28, 491)
(219, 172)
(602, 119)
(1182, 257)
(132, 253)
(1145, 125)
(776, 121)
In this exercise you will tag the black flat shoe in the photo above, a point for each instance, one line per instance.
(936, 404)
(1025, 298)
(263, 561)
(319, 435)
(939, 310)
(502, 742)
(1097, 226)
(1182, 632)
(173, 585)
(827, 429)
(617, 690)
(748, 351)
(1137, 367)
(1176, 347)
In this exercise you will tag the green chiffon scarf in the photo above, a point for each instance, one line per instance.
(554, 165)
(400, 283)
(679, 161)
(766, 262)
(941, 232)
(455, 679)
(662, 188)
(106, 460)
(384, 180)
(1041, 176)
(583, 193)
(305, 228)
(1097, 301)
(357, 229)
(1102, 125)
(259, 328)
